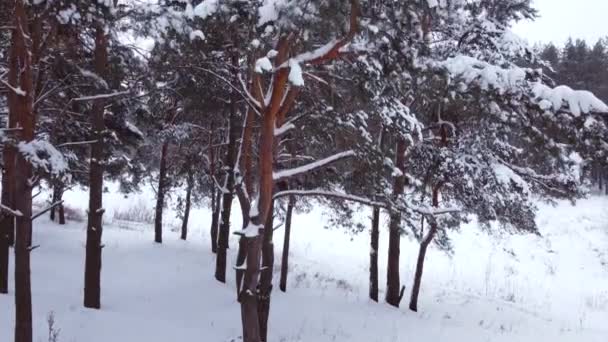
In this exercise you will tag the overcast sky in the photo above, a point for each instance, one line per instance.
(560, 19)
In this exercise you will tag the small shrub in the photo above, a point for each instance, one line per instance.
(53, 331)
(140, 211)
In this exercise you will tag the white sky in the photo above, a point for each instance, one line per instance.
(560, 19)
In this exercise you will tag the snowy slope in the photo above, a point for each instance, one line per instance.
(516, 288)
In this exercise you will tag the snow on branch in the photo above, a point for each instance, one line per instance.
(578, 101)
(17, 91)
(101, 96)
(332, 49)
(328, 194)
(72, 143)
(46, 209)
(43, 155)
(472, 71)
(432, 211)
(282, 174)
(10, 211)
(283, 129)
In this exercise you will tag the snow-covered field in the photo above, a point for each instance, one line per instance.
(512, 288)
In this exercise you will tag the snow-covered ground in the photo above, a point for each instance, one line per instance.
(512, 288)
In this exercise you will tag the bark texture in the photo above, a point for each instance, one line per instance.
(393, 291)
(20, 76)
(424, 244)
(92, 271)
(373, 255)
(287, 237)
(184, 235)
(160, 194)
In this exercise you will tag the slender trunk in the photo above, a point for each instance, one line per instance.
(7, 222)
(57, 195)
(419, 267)
(61, 212)
(422, 252)
(4, 252)
(373, 255)
(216, 203)
(228, 196)
(187, 209)
(160, 194)
(265, 288)
(20, 76)
(393, 291)
(285, 255)
(92, 271)
(53, 200)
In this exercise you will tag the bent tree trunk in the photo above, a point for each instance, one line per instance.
(160, 194)
(393, 291)
(266, 275)
(422, 252)
(373, 255)
(285, 255)
(92, 271)
(187, 209)
(420, 265)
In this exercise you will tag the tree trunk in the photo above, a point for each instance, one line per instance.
(160, 194)
(419, 267)
(248, 296)
(92, 271)
(393, 291)
(267, 271)
(373, 255)
(187, 209)
(4, 252)
(61, 213)
(422, 252)
(228, 196)
(57, 195)
(7, 222)
(285, 256)
(20, 76)
(216, 203)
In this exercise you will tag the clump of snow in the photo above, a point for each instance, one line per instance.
(206, 8)
(134, 129)
(295, 73)
(485, 75)
(269, 11)
(43, 155)
(578, 101)
(506, 176)
(263, 64)
(197, 34)
(66, 15)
